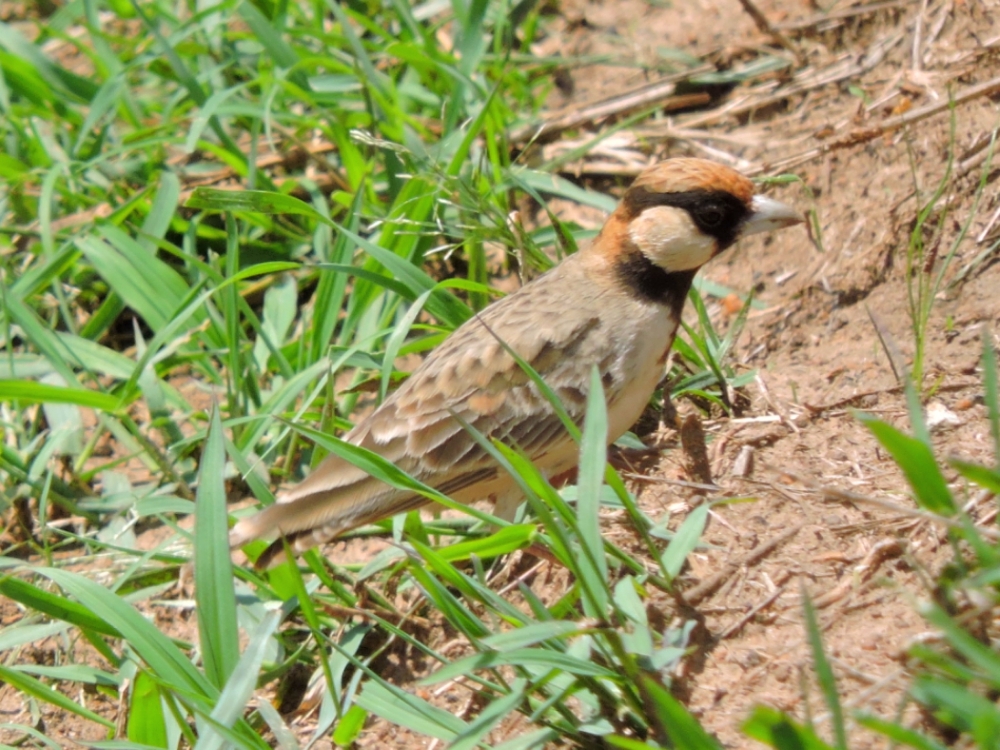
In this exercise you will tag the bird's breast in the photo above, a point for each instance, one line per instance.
(643, 349)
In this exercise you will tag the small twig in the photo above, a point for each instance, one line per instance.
(981, 497)
(396, 618)
(738, 625)
(936, 28)
(844, 496)
(889, 346)
(918, 28)
(858, 137)
(853, 400)
(779, 410)
(861, 572)
(840, 15)
(981, 237)
(523, 577)
(661, 91)
(847, 66)
(675, 482)
(707, 587)
(765, 27)
(974, 157)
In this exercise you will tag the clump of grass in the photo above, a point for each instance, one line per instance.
(702, 369)
(927, 267)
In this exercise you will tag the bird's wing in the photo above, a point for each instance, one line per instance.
(474, 377)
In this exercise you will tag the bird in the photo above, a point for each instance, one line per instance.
(615, 305)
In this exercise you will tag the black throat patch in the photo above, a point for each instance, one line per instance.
(647, 280)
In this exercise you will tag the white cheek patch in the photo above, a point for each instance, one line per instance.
(669, 238)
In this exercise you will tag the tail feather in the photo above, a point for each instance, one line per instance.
(300, 541)
(305, 520)
(342, 509)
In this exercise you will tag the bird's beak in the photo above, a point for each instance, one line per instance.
(768, 215)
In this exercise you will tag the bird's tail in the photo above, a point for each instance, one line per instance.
(338, 497)
(306, 519)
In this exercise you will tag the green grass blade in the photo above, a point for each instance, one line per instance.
(777, 730)
(42, 338)
(371, 76)
(529, 635)
(593, 458)
(213, 569)
(457, 614)
(395, 341)
(984, 476)
(677, 726)
(40, 691)
(991, 392)
(472, 132)
(191, 305)
(349, 727)
(685, 540)
(443, 305)
(899, 734)
(917, 421)
(53, 605)
(43, 739)
(41, 275)
(252, 201)
(106, 99)
(917, 461)
(72, 672)
(271, 39)
(495, 711)
(543, 659)
(95, 358)
(66, 83)
(417, 715)
(161, 212)
(146, 284)
(385, 471)
(960, 707)
(147, 725)
(165, 660)
(472, 588)
(40, 393)
(503, 542)
(331, 290)
(824, 672)
(985, 659)
(545, 502)
(540, 182)
(241, 683)
(736, 328)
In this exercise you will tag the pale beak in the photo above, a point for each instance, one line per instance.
(768, 215)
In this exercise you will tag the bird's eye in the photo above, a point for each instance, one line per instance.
(710, 216)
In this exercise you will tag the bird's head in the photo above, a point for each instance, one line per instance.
(681, 213)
